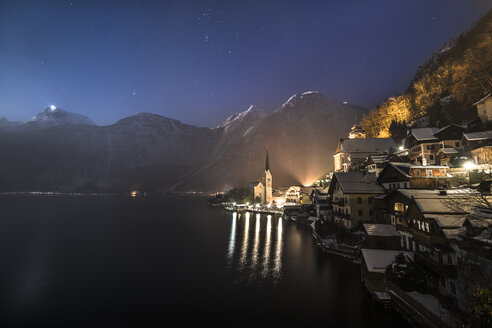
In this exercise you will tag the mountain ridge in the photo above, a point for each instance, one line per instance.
(150, 151)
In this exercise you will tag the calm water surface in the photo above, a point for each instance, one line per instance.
(99, 260)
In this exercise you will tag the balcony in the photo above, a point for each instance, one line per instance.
(342, 216)
(426, 238)
(448, 270)
(340, 202)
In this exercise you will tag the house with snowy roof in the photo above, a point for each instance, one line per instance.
(423, 144)
(435, 222)
(484, 108)
(381, 236)
(351, 154)
(373, 267)
(479, 147)
(352, 197)
(474, 252)
(409, 176)
(473, 140)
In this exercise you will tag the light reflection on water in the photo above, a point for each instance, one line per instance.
(232, 238)
(261, 248)
(256, 242)
(278, 250)
(244, 249)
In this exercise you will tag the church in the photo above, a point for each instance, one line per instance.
(263, 189)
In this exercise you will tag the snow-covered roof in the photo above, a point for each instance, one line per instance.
(476, 136)
(435, 193)
(424, 133)
(453, 233)
(483, 99)
(447, 220)
(358, 182)
(369, 145)
(485, 236)
(386, 230)
(448, 126)
(448, 151)
(379, 158)
(404, 169)
(377, 260)
(359, 155)
(437, 205)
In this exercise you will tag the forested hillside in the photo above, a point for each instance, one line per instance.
(445, 87)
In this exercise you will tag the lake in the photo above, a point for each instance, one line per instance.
(114, 260)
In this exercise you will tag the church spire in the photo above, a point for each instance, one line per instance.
(267, 164)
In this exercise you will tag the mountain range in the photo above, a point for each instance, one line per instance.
(58, 150)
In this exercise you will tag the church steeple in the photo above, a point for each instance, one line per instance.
(267, 163)
(267, 178)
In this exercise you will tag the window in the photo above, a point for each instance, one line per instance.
(452, 286)
(399, 207)
(457, 144)
(427, 227)
(360, 212)
(431, 157)
(428, 173)
(398, 185)
(369, 200)
(371, 212)
(359, 200)
(404, 185)
(429, 147)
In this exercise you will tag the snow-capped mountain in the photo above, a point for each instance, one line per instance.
(242, 119)
(149, 151)
(53, 116)
(309, 98)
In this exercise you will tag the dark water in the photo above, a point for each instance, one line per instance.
(103, 261)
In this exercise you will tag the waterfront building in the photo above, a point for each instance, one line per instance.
(381, 236)
(435, 222)
(299, 195)
(258, 190)
(352, 197)
(321, 201)
(263, 189)
(278, 196)
(474, 256)
(373, 267)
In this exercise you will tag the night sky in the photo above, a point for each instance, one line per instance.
(200, 61)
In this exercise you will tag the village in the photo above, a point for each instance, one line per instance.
(416, 213)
